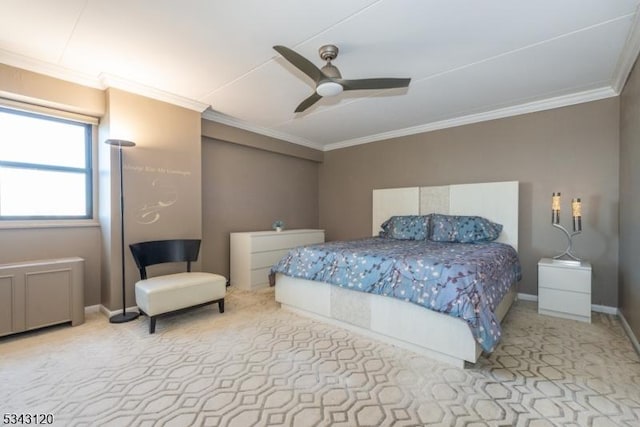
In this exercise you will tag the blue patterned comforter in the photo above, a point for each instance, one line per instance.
(464, 280)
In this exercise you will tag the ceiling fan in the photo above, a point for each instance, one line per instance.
(328, 80)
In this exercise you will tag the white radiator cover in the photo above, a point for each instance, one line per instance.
(34, 294)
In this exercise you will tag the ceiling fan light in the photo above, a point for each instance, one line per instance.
(329, 88)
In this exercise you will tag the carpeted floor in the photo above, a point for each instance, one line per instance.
(257, 365)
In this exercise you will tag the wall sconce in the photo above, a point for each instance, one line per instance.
(576, 212)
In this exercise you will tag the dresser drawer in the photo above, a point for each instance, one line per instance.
(278, 241)
(573, 280)
(267, 259)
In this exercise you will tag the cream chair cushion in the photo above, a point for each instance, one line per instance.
(163, 294)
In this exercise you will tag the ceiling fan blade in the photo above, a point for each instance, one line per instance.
(308, 102)
(384, 83)
(300, 62)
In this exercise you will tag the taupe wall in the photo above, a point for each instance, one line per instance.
(228, 133)
(43, 243)
(246, 189)
(163, 182)
(630, 201)
(573, 150)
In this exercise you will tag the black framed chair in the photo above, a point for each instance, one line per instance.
(172, 293)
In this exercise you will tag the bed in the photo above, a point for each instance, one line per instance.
(404, 322)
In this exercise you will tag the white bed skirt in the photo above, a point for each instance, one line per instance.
(393, 321)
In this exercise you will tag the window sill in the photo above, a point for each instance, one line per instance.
(13, 225)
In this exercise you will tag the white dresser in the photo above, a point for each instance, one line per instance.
(564, 290)
(253, 253)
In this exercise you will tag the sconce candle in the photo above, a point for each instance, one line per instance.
(555, 208)
(576, 208)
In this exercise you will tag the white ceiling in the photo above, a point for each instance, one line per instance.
(469, 60)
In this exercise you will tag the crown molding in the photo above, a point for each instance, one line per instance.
(241, 124)
(516, 110)
(102, 81)
(112, 81)
(49, 69)
(628, 55)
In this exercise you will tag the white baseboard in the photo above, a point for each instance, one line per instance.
(527, 297)
(92, 309)
(594, 307)
(605, 309)
(630, 334)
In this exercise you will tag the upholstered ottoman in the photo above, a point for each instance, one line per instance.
(172, 292)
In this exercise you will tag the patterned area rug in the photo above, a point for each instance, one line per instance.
(257, 365)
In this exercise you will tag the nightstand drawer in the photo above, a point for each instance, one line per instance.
(572, 280)
(558, 301)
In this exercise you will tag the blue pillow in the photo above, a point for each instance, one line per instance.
(406, 227)
(463, 229)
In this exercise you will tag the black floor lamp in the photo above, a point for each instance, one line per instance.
(124, 316)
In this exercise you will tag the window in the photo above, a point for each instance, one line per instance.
(45, 167)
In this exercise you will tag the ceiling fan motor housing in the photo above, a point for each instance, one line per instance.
(328, 52)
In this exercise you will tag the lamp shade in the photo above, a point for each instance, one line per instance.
(120, 142)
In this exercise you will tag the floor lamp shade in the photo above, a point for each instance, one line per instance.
(124, 316)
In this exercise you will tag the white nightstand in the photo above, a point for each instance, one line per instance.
(564, 289)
